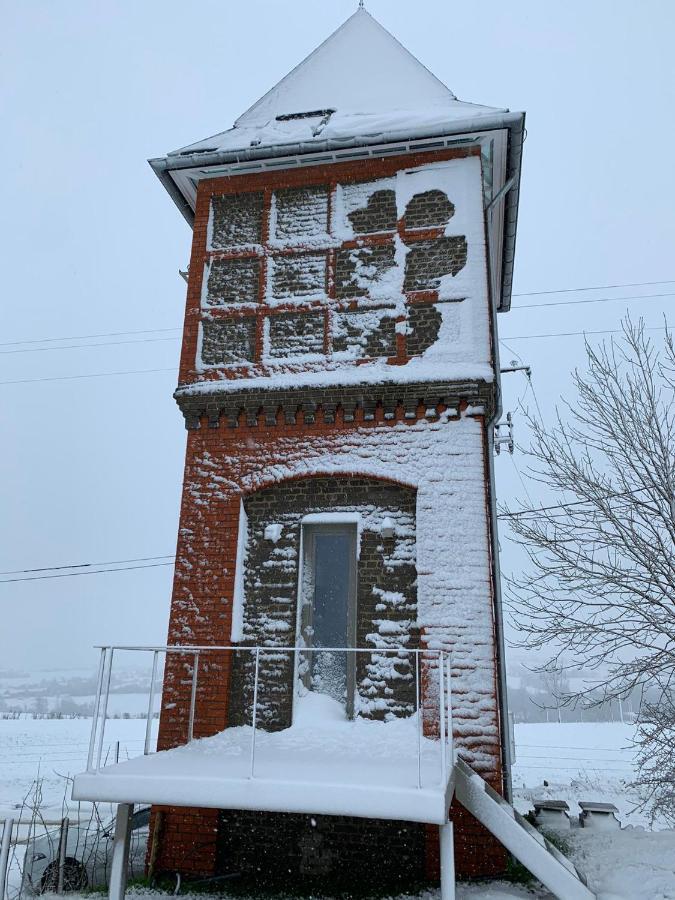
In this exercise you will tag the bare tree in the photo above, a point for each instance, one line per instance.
(599, 591)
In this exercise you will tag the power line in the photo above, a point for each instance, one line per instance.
(528, 337)
(108, 562)
(90, 375)
(84, 337)
(606, 287)
(87, 346)
(88, 572)
(593, 300)
(525, 512)
(602, 287)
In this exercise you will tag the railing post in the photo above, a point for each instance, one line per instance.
(441, 715)
(151, 704)
(448, 691)
(97, 703)
(105, 707)
(4, 855)
(193, 697)
(254, 714)
(419, 717)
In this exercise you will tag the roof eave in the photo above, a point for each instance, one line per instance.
(513, 121)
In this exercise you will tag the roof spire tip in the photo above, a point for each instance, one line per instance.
(361, 4)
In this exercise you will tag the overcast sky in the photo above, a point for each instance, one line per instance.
(91, 245)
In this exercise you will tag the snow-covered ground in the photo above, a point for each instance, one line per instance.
(54, 750)
(584, 761)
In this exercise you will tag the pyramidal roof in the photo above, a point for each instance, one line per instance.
(360, 80)
(360, 67)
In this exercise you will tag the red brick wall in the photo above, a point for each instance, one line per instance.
(201, 609)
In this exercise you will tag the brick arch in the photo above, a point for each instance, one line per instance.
(252, 484)
(386, 602)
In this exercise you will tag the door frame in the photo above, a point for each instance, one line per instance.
(311, 525)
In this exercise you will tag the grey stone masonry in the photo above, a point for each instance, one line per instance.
(334, 855)
(299, 275)
(424, 322)
(356, 270)
(228, 341)
(429, 210)
(379, 214)
(270, 405)
(233, 281)
(386, 596)
(428, 261)
(365, 333)
(295, 334)
(301, 213)
(236, 220)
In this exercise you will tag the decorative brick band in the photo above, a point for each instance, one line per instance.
(407, 401)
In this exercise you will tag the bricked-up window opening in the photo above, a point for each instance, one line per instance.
(329, 268)
(328, 590)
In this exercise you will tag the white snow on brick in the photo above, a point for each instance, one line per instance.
(462, 349)
(444, 461)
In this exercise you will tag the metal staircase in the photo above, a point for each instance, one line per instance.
(531, 848)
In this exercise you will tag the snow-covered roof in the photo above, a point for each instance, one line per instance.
(380, 87)
(359, 88)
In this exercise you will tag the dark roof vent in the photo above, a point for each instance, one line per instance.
(312, 114)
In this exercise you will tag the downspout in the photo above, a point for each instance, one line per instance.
(505, 730)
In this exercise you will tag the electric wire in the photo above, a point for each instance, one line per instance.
(592, 300)
(88, 375)
(82, 337)
(601, 287)
(107, 562)
(528, 337)
(524, 512)
(88, 572)
(88, 346)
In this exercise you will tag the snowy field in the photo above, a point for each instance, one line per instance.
(583, 761)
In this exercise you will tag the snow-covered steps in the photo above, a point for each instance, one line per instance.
(530, 847)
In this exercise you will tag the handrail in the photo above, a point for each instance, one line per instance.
(191, 648)
(439, 658)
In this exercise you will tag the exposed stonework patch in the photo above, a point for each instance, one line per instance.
(233, 281)
(236, 220)
(298, 275)
(424, 322)
(301, 213)
(428, 261)
(427, 210)
(365, 333)
(295, 334)
(321, 853)
(386, 606)
(357, 271)
(228, 341)
(379, 214)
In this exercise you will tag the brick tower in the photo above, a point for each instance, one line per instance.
(353, 240)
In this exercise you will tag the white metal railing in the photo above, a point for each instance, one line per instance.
(428, 665)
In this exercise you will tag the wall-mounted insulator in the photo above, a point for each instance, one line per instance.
(504, 435)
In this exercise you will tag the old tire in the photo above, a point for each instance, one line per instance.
(74, 876)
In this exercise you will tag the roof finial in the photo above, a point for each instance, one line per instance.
(361, 4)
